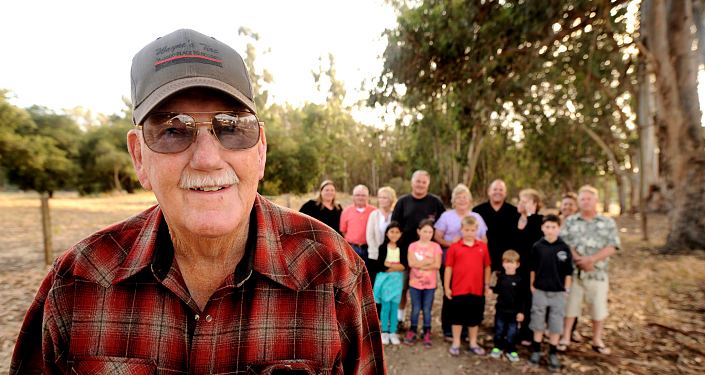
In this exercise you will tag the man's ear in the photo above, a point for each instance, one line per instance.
(262, 151)
(134, 146)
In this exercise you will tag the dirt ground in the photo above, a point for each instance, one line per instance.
(657, 301)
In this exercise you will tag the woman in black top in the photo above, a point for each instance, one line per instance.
(324, 208)
(528, 232)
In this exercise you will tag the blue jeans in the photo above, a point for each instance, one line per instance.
(421, 299)
(505, 331)
(360, 250)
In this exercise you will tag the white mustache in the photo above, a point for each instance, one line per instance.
(190, 179)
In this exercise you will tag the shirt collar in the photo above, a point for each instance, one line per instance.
(163, 258)
(263, 250)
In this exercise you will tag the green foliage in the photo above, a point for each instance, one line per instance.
(467, 72)
(37, 148)
(105, 162)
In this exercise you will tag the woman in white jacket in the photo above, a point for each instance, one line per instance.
(377, 224)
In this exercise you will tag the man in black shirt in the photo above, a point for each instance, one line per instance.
(409, 210)
(501, 219)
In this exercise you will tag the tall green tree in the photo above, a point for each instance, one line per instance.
(480, 68)
(38, 152)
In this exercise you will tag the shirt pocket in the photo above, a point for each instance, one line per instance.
(289, 367)
(113, 366)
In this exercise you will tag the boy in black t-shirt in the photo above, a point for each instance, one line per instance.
(551, 269)
(508, 310)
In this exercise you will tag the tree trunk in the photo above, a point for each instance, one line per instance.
(619, 173)
(474, 148)
(116, 178)
(680, 131)
(46, 229)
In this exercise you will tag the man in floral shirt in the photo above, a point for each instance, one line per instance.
(214, 279)
(593, 238)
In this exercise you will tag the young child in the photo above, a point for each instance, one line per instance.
(466, 280)
(389, 282)
(551, 270)
(424, 262)
(508, 310)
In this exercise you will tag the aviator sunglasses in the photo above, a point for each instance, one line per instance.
(173, 132)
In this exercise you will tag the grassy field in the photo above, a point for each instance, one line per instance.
(657, 301)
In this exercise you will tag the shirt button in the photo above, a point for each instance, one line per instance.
(209, 318)
(197, 317)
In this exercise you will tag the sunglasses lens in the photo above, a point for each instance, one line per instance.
(168, 132)
(236, 131)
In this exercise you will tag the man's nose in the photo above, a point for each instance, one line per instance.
(206, 149)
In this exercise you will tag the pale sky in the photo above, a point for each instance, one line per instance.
(64, 54)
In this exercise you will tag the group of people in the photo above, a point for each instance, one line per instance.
(538, 269)
(216, 278)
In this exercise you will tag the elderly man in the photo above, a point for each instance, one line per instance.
(501, 218)
(593, 238)
(353, 220)
(215, 278)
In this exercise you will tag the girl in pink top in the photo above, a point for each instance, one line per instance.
(424, 263)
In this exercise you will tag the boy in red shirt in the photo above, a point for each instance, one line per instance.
(466, 280)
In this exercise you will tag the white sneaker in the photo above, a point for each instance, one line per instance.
(394, 339)
(385, 338)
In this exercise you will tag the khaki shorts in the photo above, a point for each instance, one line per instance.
(594, 293)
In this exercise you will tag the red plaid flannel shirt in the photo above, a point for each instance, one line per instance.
(300, 300)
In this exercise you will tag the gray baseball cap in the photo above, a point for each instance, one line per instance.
(185, 59)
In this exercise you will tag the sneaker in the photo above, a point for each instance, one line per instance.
(410, 338)
(427, 340)
(394, 339)
(535, 358)
(495, 353)
(512, 357)
(554, 365)
(385, 338)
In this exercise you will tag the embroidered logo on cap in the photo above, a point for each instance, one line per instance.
(186, 52)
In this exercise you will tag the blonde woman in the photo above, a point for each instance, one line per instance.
(448, 232)
(377, 224)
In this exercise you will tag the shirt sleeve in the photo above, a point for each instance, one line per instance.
(38, 344)
(437, 250)
(361, 351)
(442, 223)
(613, 234)
(568, 265)
(565, 233)
(450, 256)
(371, 235)
(344, 221)
(398, 213)
(481, 226)
(486, 255)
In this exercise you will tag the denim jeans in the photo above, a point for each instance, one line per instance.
(505, 331)
(421, 299)
(360, 250)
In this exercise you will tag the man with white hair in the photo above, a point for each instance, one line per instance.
(592, 238)
(215, 278)
(353, 220)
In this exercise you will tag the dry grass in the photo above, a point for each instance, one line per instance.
(656, 301)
